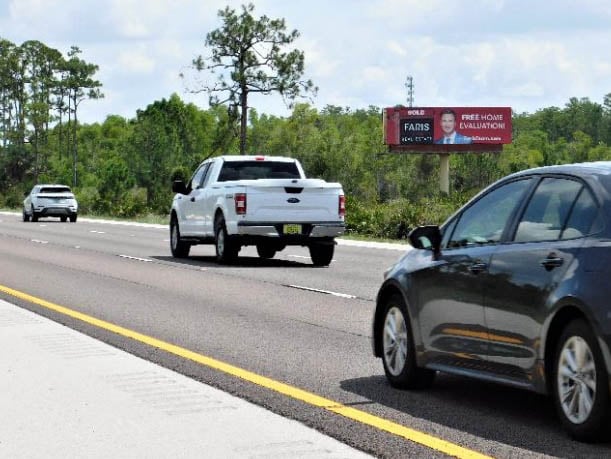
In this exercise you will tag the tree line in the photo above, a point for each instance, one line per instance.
(40, 92)
(124, 167)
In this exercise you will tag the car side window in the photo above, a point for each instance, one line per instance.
(198, 176)
(446, 232)
(548, 210)
(485, 220)
(583, 218)
(207, 174)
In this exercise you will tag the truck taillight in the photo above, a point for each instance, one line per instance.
(240, 203)
(342, 205)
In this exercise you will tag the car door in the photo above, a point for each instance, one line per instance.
(450, 290)
(526, 273)
(193, 218)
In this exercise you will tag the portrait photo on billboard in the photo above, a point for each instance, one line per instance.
(447, 129)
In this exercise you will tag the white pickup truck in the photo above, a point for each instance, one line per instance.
(266, 201)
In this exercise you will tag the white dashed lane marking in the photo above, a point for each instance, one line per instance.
(129, 257)
(318, 290)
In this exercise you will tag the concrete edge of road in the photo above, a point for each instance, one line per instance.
(340, 241)
(66, 393)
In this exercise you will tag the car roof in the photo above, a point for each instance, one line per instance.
(578, 169)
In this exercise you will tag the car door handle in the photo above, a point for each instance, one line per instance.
(478, 267)
(552, 261)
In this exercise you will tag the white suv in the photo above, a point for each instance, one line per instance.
(50, 201)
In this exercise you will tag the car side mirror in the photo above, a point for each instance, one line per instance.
(178, 186)
(426, 237)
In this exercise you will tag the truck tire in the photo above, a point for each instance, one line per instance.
(321, 253)
(226, 249)
(266, 251)
(179, 248)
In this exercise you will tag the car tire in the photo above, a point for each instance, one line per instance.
(226, 249)
(179, 248)
(265, 251)
(321, 254)
(34, 215)
(26, 216)
(581, 384)
(63, 219)
(73, 218)
(398, 350)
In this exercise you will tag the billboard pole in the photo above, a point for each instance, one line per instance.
(444, 173)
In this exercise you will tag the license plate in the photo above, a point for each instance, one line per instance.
(292, 229)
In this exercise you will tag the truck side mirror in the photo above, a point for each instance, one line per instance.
(178, 186)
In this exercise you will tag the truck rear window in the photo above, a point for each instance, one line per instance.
(253, 170)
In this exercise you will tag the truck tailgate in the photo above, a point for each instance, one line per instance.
(308, 200)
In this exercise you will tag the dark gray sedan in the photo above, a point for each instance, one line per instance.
(514, 288)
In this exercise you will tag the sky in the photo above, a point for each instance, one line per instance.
(524, 54)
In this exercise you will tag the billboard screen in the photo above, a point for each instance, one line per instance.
(447, 128)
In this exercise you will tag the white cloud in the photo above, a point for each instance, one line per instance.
(358, 52)
(137, 61)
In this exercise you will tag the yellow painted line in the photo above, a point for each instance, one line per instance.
(415, 436)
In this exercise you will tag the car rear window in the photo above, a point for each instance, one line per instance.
(55, 189)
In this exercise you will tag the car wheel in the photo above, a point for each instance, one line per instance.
(226, 249)
(581, 387)
(63, 219)
(398, 350)
(26, 216)
(34, 215)
(265, 251)
(179, 248)
(72, 218)
(321, 254)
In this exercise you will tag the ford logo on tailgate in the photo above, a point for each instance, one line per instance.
(292, 200)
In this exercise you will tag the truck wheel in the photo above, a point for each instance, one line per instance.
(179, 248)
(266, 251)
(321, 254)
(226, 249)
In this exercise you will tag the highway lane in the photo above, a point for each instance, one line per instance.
(249, 316)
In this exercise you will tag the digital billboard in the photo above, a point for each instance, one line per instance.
(447, 129)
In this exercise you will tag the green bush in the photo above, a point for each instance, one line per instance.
(394, 219)
(133, 203)
(12, 198)
(88, 199)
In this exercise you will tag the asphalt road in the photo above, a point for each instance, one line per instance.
(283, 319)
